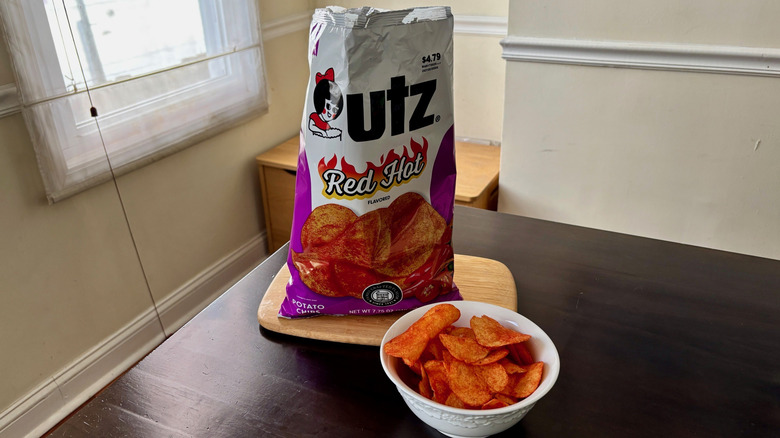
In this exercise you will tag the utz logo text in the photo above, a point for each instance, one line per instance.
(395, 98)
(344, 181)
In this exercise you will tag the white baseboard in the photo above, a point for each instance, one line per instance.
(758, 61)
(30, 415)
(9, 102)
(53, 400)
(56, 397)
(189, 299)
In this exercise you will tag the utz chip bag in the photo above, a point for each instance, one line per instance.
(375, 187)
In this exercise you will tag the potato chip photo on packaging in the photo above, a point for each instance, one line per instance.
(375, 182)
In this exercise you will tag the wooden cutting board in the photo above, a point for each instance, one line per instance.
(478, 279)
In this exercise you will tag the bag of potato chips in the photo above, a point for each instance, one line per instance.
(375, 188)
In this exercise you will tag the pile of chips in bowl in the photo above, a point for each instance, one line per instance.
(483, 366)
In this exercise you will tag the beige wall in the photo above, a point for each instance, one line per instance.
(69, 276)
(665, 154)
(478, 68)
(68, 272)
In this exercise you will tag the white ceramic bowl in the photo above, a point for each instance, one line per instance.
(456, 422)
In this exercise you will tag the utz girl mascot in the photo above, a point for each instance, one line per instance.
(328, 103)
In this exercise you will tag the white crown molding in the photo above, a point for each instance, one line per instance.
(653, 56)
(9, 100)
(480, 25)
(57, 396)
(285, 25)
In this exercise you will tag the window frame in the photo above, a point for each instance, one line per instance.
(234, 90)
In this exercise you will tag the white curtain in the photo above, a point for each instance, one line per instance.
(107, 86)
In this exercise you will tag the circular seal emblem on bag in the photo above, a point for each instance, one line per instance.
(382, 294)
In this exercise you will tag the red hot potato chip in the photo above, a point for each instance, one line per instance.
(491, 333)
(317, 275)
(493, 356)
(437, 378)
(465, 349)
(467, 384)
(523, 385)
(495, 404)
(411, 343)
(325, 224)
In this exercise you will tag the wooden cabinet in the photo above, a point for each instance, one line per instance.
(476, 185)
(277, 169)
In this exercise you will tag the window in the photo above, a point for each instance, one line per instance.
(161, 75)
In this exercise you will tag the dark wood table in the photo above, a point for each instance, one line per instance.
(656, 339)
